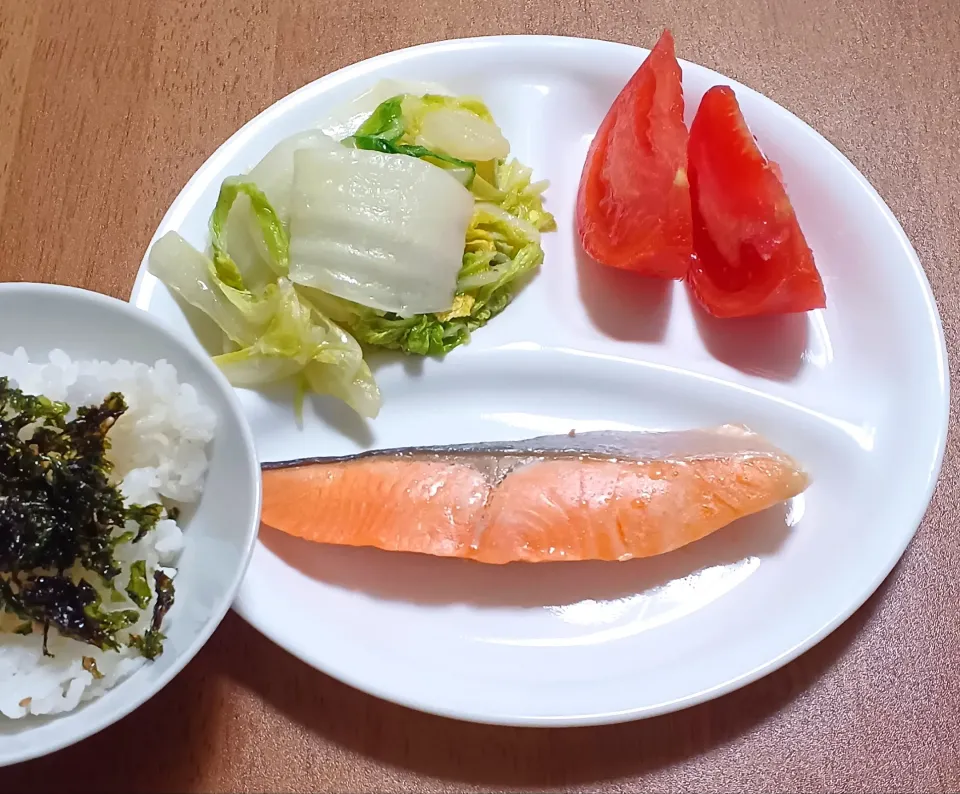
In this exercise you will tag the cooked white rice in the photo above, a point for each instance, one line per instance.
(159, 452)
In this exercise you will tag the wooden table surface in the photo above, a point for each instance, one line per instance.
(106, 109)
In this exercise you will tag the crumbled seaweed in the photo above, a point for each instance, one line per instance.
(138, 588)
(75, 609)
(146, 517)
(90, 665)
(150, 644)
(124, 537)
(164, 587)
(9, 601)
(58, 514)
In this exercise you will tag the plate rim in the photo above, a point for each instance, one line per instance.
(140, 297)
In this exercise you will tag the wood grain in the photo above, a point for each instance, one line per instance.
(108, 106)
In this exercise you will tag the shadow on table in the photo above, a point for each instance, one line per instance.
(168, 744)
(174, 742)
(513, 757)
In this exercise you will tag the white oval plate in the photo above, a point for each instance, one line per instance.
(585, 347)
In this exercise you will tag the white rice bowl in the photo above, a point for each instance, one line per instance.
(159, 453)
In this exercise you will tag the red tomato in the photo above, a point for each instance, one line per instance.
(751, 257)
(633, 206)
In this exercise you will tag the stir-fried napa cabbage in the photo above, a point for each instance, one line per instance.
(273, 176)
(346, 118)
(402, 223)
(502, 244)
(275, 333)
(379, 229)
(501, 248)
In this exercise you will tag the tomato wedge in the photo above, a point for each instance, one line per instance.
(751, 256)
(633, 205)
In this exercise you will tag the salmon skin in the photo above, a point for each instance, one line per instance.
(602, 495)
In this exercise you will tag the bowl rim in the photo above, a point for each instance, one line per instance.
(195, 352)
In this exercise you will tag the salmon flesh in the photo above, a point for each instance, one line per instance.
(591, 496)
